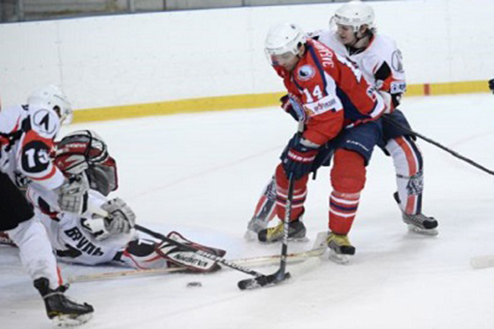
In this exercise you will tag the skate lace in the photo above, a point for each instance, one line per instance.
(340, 240)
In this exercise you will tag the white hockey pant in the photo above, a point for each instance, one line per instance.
(35, 251)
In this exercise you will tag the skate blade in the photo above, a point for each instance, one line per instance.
(304, 239)
(418, 230)
(67, 321)
(338, 258)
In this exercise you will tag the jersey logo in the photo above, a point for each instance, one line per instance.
(396, 61)
(45, 121)
(306, 72)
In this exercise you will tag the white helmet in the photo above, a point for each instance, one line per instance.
(52, 97)
(284, 38)
(354, 14)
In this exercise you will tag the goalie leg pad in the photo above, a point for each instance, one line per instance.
(141, 254)
(189, 259)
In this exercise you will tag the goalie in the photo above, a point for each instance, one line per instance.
(104, 232)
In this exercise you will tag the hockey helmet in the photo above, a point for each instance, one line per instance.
(284, 38)
(354, 14)
(52, 97)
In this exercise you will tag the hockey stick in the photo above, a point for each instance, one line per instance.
(317, 250)
(263, 279)
(122, 274)
(280, 275)
(444, 148)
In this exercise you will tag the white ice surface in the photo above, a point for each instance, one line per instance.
(201, 174)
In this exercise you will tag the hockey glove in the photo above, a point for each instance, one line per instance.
(491, 85)
(122, 219)
(298, 157)
(72, 196)
(388, 102)
(292, 105)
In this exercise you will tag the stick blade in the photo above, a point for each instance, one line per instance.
(263, 281)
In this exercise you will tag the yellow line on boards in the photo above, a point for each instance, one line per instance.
(224, 103)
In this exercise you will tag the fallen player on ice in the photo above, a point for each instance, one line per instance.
(94, 239)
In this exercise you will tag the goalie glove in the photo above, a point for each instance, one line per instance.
(182, 257)
(121, 218)
(72, 196)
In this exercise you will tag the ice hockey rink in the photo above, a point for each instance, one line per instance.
(201, 175)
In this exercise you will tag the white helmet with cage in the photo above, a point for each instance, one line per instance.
(355, 14)
(284, 38)
(52, 97)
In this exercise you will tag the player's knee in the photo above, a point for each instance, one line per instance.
(348, 173)
(406, 155)
(25, 230)
(282, 180)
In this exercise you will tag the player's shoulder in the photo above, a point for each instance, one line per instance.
(11, 118)
(382, 41)
(44, 121)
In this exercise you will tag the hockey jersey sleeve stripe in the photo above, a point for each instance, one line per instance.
(320, 68)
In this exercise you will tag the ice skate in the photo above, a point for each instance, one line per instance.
(62, 311)
(296, 231)
(419, 223)
(340, 248)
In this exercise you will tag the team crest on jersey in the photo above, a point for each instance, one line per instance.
(45, 122)
(396, 61)
(306, 72)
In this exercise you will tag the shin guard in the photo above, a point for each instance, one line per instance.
(348, 178)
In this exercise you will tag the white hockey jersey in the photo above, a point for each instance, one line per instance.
(381, 49)
(71, 238)
(26, 140)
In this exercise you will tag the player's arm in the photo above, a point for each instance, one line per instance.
(385, 82)
(362, 100)
(35, 162)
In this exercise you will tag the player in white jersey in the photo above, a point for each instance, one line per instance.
(352, 34)
(26, 138)
(105, 237)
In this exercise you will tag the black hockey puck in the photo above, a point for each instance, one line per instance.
(194, 284)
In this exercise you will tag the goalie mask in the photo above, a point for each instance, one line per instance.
(84, 151)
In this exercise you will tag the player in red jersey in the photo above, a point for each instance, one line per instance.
(338, 112)
(353, 35)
